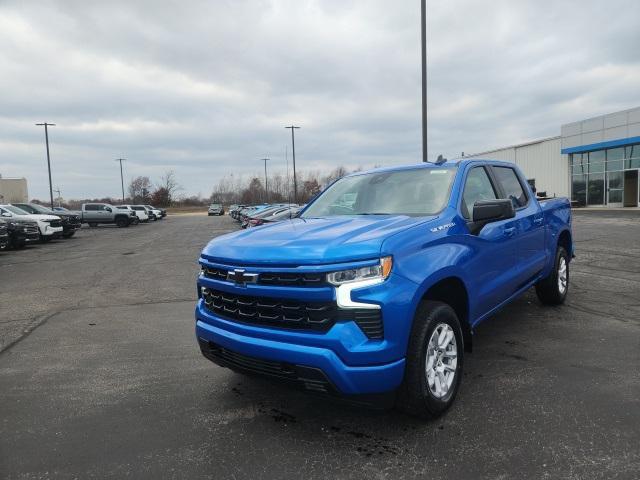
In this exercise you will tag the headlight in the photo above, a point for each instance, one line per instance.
(380, 271)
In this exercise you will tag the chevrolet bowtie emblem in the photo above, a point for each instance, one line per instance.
(240, 277)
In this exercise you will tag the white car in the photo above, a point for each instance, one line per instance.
(50, 226)
(139, 210)
(153, 213)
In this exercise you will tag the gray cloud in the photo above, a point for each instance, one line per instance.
(206, 88)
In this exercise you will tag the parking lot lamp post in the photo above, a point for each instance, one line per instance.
(266, 190)
(121, 177)
(46, 138)
(293, 154)
(423, 37)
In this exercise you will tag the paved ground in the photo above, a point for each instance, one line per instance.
(111, 383)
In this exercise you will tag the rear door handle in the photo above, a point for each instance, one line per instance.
(509, 232)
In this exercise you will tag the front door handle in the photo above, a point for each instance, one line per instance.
(509, 232)
(538, 221)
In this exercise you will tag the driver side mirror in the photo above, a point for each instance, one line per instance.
(6, 214)
(108, 209)
(488, 211)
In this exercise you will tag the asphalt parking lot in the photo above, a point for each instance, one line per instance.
(109, 381)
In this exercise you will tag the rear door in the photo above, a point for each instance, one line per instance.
(491, 269)
(530, 249)
(91, 213)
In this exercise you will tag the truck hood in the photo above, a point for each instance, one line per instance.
(311, 241)
(32, 216)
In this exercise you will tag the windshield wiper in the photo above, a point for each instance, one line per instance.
(374, 213)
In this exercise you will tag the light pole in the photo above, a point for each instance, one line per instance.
(46, 138)
(423, 30)
(58, 192)
(266, 190)
(293, 153)
(121, 177)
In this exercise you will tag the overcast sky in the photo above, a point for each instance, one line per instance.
(206, 87)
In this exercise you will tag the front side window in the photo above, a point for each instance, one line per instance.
(477, 187)
(412, 192)
(511, 185)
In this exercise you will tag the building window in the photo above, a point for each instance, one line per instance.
(615, 159)
(595, 192)
(598, 177)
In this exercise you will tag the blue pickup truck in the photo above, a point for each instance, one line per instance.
(372, 293)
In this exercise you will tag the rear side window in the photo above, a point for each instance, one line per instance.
(91, 207)
(511, 185)
(477, 187)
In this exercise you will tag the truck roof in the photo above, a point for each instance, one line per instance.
(454, 163)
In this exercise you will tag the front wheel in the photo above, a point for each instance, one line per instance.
(434, 362)
(69, 234)
(553, 289)
(122, 222)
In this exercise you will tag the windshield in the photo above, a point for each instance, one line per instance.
(41, 209)
(414, 192)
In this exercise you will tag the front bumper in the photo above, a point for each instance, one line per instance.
(49, 231)
(341, 378)
(352, 363)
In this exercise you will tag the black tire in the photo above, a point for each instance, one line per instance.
(69, 234)
(549, 289)
(93, 224)
(415, 396)
(122, 222)
(19, 244)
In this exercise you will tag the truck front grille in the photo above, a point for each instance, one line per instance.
(55, 223)
(274, 278)
(271, 311)
(291, 314)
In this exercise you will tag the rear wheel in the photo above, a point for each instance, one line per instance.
(553, 289)
(434, 362)
(93, 224)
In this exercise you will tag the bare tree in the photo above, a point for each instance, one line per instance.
(139, 189)
(170, 185)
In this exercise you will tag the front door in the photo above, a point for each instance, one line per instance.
(615, 189)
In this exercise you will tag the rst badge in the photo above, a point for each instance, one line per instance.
(439, 228)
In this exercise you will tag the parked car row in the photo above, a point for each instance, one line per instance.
(255, 215)
(23, 223)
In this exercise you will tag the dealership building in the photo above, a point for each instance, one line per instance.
(13, 190)
(595, 162)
